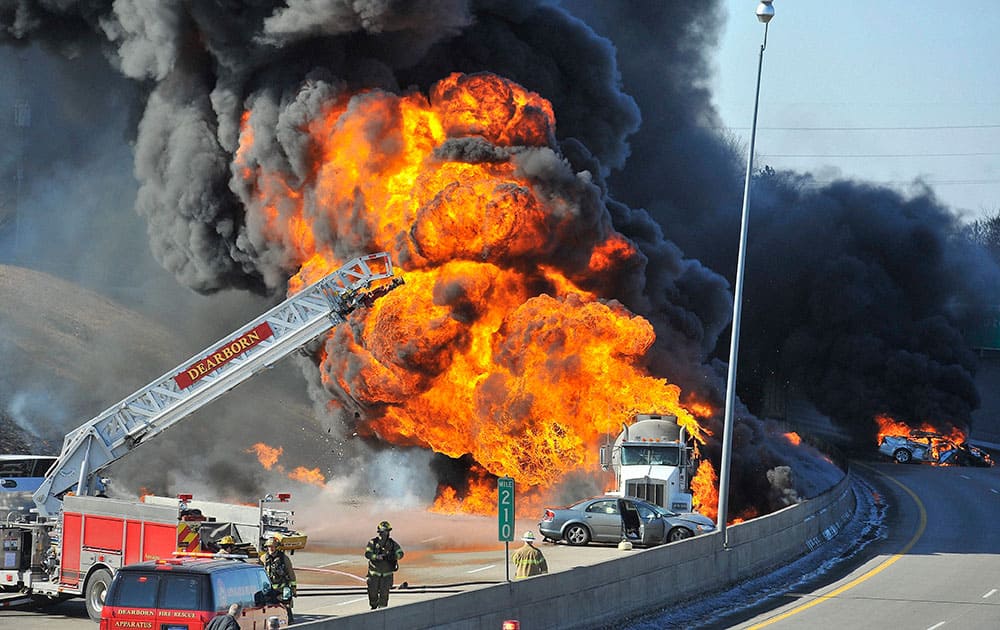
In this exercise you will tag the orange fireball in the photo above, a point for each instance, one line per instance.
(498, 345)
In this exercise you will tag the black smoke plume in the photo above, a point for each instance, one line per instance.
(664, 178)
(854, 294)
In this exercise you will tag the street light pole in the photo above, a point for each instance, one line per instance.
(764, 13)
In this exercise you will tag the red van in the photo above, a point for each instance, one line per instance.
(185, 593)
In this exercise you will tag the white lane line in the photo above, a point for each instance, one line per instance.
(965, 477)
(937, 625)
(427, 540)
(994, 491)
(330, 564)
(990, 594)
(353, 601)
(481, 569)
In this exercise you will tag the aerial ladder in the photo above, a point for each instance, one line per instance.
(77, 538)
(198, 381)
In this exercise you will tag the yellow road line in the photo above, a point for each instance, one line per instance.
(873, 572)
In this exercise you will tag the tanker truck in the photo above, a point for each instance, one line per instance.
(653, 459)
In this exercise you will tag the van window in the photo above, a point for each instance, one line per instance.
(136, 590)
(181, 592)
(239, 587)
(264, 593)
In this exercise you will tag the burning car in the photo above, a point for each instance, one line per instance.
(926, 446)
(966, 454)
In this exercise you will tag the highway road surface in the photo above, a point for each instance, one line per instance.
(928, 558)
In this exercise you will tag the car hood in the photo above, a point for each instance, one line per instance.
(697, 519)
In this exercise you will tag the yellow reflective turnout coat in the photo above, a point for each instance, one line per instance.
(528, 560)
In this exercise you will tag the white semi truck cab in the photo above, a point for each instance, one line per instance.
(652, 459)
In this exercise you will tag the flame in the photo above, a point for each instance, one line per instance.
(746, 515)
(479, 498)
(702, 410)
(887, 425)
(266, 455)
(793, 438)
(705, 490)
(308, 475)
(499, 345)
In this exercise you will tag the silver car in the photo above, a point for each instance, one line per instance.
(610, 519)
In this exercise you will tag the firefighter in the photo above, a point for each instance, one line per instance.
(227, 621)
(279, 570)
(528, 560)
(227, 546)
(383, 555)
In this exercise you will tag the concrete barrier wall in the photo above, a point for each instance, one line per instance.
(640, 582)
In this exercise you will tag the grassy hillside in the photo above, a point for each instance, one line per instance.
(67, 353)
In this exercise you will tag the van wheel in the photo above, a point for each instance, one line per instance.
(97, 590)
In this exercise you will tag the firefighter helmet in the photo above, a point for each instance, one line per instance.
(227, 540)
(271, 542)
(384, 526)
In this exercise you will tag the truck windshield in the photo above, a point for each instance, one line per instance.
(659, 455)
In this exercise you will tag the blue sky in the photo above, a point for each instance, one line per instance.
(922, 78)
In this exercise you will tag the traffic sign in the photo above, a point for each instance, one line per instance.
(505, 508)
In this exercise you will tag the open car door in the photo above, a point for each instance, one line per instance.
(630, 520)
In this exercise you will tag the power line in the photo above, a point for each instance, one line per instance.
(876, 155)
(929, 182)
(905, 128)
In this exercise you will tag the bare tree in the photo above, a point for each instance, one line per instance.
(986, 232)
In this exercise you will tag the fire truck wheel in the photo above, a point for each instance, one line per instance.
(97, 589)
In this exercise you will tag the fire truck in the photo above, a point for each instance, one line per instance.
(652, 459)
(73, 540)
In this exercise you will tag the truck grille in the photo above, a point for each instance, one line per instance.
(652, 492)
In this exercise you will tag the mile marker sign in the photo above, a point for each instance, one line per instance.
(505, 508)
